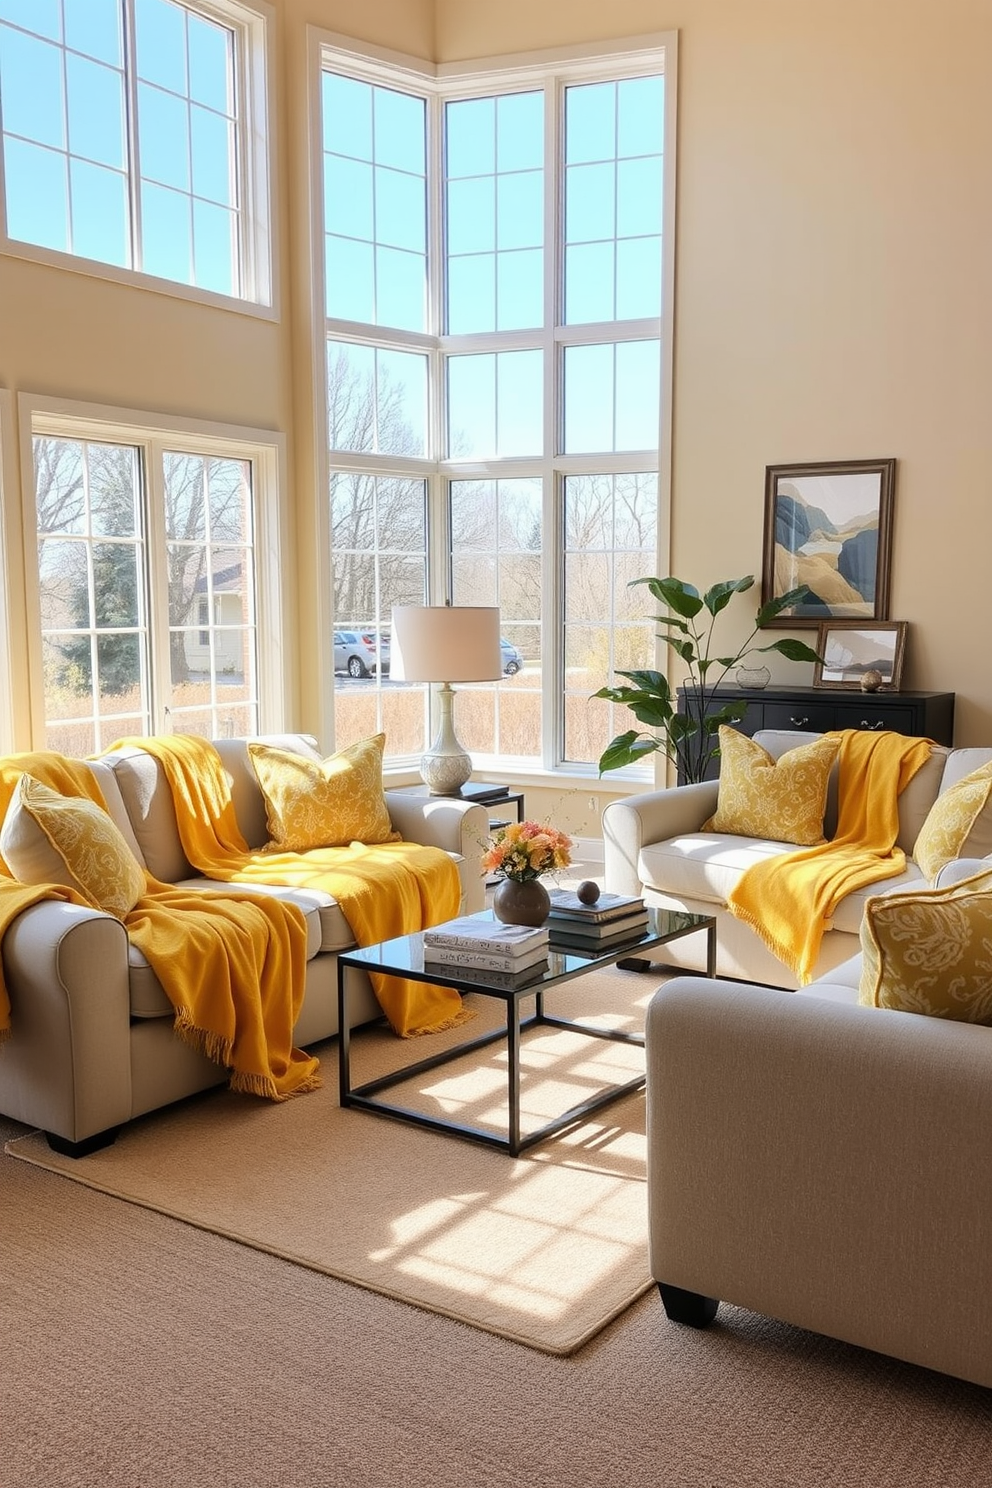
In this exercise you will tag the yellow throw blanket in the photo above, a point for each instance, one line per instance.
(391, 889)
(788, 901)
(233, 968)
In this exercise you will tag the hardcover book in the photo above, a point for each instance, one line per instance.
(472, 933)
(565, 904)
(631, 928)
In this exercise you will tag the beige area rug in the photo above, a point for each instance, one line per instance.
(545, 1249)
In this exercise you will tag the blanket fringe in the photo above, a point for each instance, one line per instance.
(215, 1046)
(754, 922)
(262, 1086)
(464, 1015)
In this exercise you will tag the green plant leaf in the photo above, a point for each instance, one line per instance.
(682, 598)
(626, 749)
(685, 649)
(792, 649)
(719, 596)
(775, 607)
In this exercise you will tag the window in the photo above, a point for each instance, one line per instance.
(127, 137)
(147, 597)
(495, 271)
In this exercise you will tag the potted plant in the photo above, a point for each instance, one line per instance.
(690, 738)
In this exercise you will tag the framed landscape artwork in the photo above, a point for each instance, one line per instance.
(849, 649)
(829, 527)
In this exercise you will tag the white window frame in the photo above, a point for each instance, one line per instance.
(441, 84)
(266, 452)
(10, 615)
(254, 44)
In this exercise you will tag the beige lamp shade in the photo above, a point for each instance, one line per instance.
(445, 643)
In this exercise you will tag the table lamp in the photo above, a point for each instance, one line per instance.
(445, 644)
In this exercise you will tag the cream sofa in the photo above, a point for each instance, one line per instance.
(823, 1163)
(92, 1044)
(654, 845)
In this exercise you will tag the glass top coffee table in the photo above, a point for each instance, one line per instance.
(404, 957)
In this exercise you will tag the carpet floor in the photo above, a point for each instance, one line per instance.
(544, 1249)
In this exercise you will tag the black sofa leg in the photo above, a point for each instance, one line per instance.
(65, 1148)
(690, 1308)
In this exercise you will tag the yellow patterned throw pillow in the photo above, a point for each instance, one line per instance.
(48, 838)
(958, 824)
(930, 951)
(783, 800)
(323, 803)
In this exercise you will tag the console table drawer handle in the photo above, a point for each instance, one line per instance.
(798, 722)
(866, 725)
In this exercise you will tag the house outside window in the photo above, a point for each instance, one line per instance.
(496, 261)
(133, 138)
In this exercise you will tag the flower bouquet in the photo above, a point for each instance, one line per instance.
(519, 854)
(526, 850)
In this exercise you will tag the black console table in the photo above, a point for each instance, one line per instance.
(818, 709)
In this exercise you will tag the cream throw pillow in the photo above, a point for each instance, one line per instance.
(958, 824)
(48, 838)
(323, 803)
(783, 800)
(931, 951)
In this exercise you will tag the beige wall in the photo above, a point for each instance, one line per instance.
(835, 215)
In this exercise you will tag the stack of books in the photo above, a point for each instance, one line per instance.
(488, 952)
(610, 920)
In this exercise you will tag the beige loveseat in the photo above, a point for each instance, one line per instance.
(92, 1042)
(824, 1163)
(654, 845)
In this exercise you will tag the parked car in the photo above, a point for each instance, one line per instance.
(359, 652)
(512, 658)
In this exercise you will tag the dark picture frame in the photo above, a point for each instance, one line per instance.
(829, 527)
(849, 648)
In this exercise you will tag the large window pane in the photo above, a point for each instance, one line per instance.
(378, 560)
(612, 397)
(121, 133)
(496, 541)
(377, 399)
(515, 298)
(375, 203)
(494, 204)
(495, 404)
(610, 531)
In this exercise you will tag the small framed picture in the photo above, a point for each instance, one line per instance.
(850, 649)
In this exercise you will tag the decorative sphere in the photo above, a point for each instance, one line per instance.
(871, 680)
(587, 892)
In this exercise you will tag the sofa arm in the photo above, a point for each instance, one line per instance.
(459, 827)
(67, 1065)
(636, 821)
(825, 1164)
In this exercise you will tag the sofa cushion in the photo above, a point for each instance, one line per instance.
(915, 801)
(50, 838)
(931, 952)
(323, 803)
(784, 799)
(958, 824)
(707, 866)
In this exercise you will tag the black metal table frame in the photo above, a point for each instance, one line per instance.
(362, 1097)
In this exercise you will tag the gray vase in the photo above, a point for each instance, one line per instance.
(518, 903)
